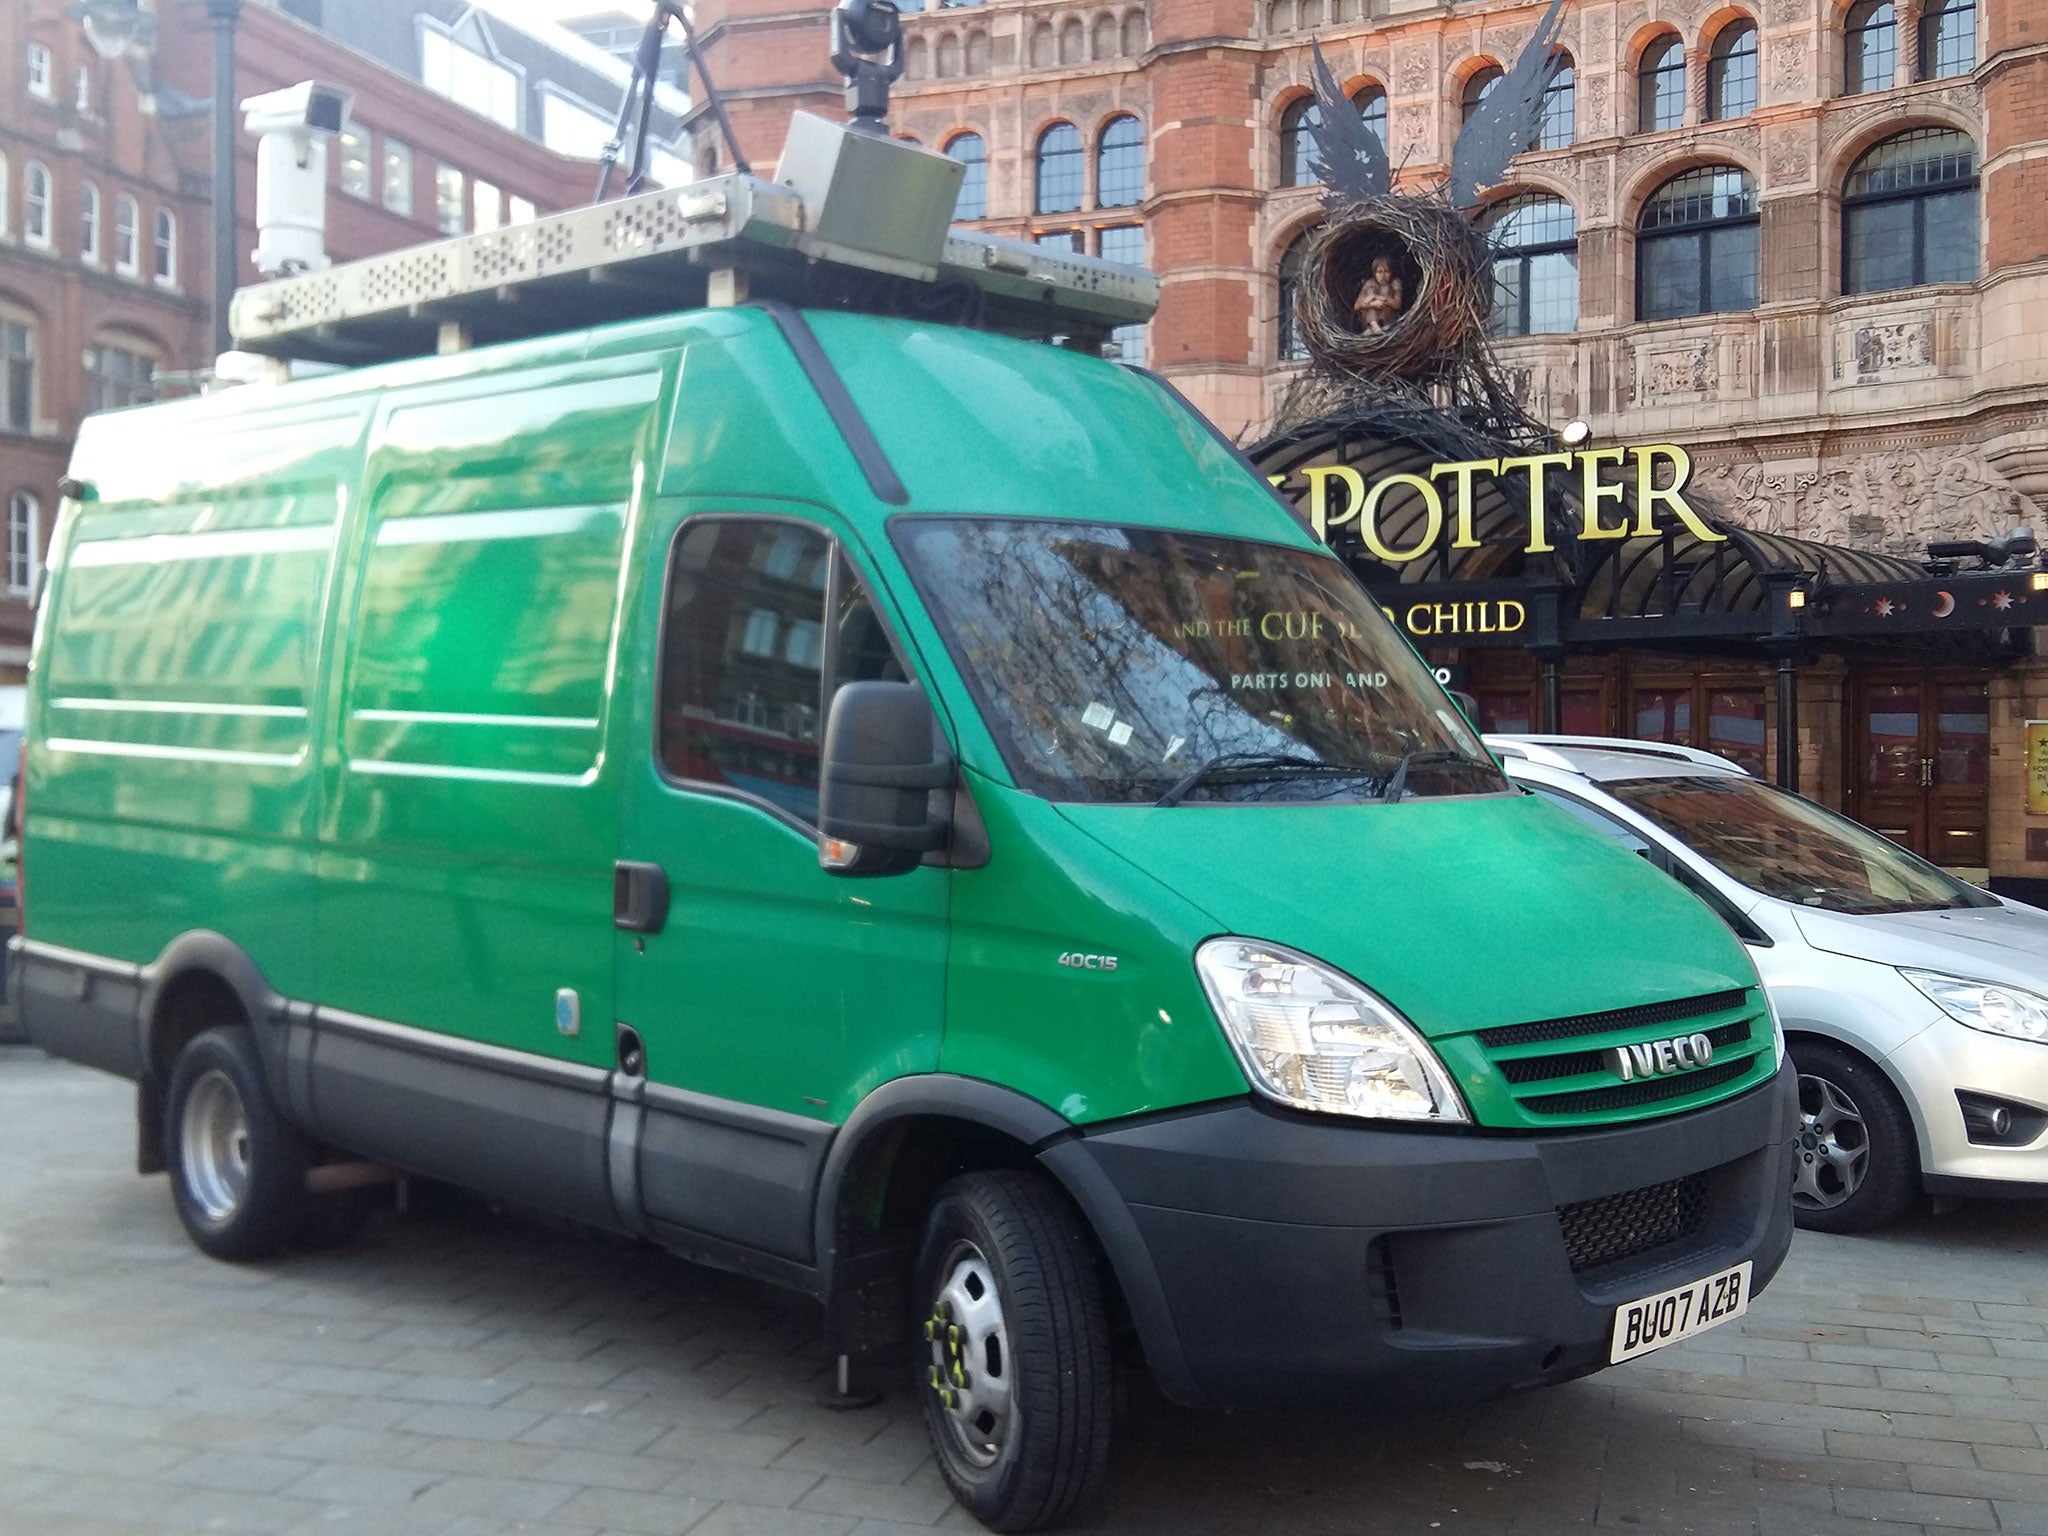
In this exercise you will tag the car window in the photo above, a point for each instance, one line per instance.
(1599, 821)
(765, 621)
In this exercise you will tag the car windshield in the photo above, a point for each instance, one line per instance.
(1790, 848)
(1131, 664)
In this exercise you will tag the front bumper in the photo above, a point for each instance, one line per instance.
(1276, 1258)
(1948, 1056)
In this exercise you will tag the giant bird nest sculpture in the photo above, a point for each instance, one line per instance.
(1395, 288)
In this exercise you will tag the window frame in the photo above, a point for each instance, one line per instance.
(1852, 52)
(31, 327)
(1285, 283)
(366, 144)
(1701, 232)
(1563, 89)
(1919, 197)
(23, 497)
(163, 248)
(980, 162)
(395, 152)
(1524, 254)
(1668, 47)
(39, 66)
(1103, 149)
(34, 203)
(128, 231)
(1079, 155)
(1929, 38)
(1479, 85)
(1725, 51)
(130, 346)
(839, 551)
(90, 212)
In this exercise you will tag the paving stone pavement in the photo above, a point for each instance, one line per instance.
(466, 1373)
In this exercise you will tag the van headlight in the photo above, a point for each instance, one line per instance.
(1985, 1005)
(1313, 1038)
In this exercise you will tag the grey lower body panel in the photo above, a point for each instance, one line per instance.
(82, 1007)
(731, 1171)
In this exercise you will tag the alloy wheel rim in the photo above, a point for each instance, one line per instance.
(215, 1143)
(1834, 1146)
(969, 1371)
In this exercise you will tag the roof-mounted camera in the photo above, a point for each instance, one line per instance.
(867, 48)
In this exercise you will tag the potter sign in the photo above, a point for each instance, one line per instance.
(1338, 496)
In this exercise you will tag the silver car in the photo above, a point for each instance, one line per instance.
(1915, 1005)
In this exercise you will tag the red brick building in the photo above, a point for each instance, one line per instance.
(1807, 239)
(105, 206)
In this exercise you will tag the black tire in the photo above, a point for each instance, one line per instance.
(1047, 1454)
(238, 1169)
(1883, 1186)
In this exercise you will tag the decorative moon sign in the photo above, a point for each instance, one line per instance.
(1944, 604)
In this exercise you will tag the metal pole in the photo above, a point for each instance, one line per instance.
(223, 14)
(1550, 712)
(1788, 721)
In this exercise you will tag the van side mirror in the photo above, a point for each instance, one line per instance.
(880, 766)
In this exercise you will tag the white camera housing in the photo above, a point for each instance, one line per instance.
(294, 125)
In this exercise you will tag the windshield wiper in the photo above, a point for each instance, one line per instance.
(1397, 784)
(1259, 765)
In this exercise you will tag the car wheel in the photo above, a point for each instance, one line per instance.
(1856, 1166)
(238, 1169)
(1013, 1348)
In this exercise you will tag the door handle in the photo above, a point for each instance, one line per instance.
(1927, 773)
(639, 896)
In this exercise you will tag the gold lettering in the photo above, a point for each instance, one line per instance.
(1461, 482)
(1537, 465)
(1266, 631)
(1415, 627)
(1447, 619)
(1319, 478)
(1521, 615)
(1593, 491)
(1672, 495)
(1368, 517)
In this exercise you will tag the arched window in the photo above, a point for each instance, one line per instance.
(968, 149)
(1660, 86)
(1293, 349)
(1696, 245)
(1870, 47)
(946, 56)
(1731, 72)
(1477, 89)
(164, 249)
(1120, 164)
(1948, 38)
(35, 203)
(127, 219)
(22, 516)
(1535, 266)
(1061, 171)
(1559, 124)
(1297, 132)
(89, 224)
(1297, 142)
(122, 372)
(1909, 213)
(17, 371)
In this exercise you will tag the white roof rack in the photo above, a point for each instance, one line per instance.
(1545, 750)
(857, 221)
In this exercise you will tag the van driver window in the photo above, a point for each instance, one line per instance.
(765, 620)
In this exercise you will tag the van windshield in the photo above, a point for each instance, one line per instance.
(1134, 664)
(1784, 846)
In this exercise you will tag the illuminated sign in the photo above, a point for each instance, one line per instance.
(1338, 497)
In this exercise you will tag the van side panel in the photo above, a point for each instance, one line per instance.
(175, 694)
(471, 807)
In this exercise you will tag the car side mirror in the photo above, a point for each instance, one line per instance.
(881, 764)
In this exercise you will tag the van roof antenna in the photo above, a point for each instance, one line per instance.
(640, 92)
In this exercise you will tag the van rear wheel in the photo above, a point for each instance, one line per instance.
(238, 1169)
(1013, 1350)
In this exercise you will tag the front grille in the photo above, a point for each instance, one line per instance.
(1589, 1101)
(1543, 1069)
(1617, 1227)
(1645, 1016)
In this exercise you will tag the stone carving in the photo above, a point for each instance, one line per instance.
(1599, 34)
(1412, 71)
(1692, 370)
(1890, 502)
(1872, 352)
(1784, 13)
(1789, 161)
(1596, 104)
(1596, 192)
(1788, 64)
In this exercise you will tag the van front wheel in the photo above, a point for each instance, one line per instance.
(238, 1169)
(1012, 1350)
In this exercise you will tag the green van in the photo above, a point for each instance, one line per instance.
(891, 808)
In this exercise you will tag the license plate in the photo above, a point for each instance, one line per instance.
(1668, 1316)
